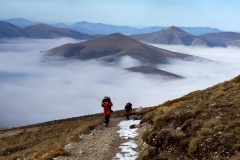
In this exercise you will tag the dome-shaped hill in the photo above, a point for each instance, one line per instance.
(115, 46)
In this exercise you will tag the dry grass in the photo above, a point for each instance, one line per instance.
(201, 125)
(193, 145)
(46, 140)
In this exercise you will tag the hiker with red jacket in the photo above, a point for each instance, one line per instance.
(107, 104)
(128, 109)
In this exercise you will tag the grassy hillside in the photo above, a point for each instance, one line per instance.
(47, 140)
(201, 125)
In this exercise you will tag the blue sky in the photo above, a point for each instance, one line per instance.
(222, 14)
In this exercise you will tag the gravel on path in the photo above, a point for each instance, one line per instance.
(102, 143)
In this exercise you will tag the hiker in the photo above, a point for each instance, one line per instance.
(128, 109)
(107, 104)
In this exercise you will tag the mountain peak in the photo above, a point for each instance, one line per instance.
(175, 29)
(7, 24)
(41, 25)
(20, 22)
(171, 35)
(116, 35)
(115, 39)
(9, 30)
(17, 20)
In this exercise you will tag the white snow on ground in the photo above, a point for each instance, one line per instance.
(127, 149)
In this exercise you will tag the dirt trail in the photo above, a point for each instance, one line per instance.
(101, 144)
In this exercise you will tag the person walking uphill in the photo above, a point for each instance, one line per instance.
(107, 104)
(128, 109)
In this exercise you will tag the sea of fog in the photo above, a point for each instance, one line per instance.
(34, 90)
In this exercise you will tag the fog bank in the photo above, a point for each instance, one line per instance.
(34, 90)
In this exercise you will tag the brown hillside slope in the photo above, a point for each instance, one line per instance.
(115, 46)
(45, 141)
(201, 125)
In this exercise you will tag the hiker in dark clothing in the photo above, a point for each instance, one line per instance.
(107, 104)
(128, 109)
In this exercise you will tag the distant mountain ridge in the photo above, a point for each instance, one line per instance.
(46, 31)
(171, 36)
(20, 22)
(100, 28)
(8, 30)
(227, 38)
(176, 36)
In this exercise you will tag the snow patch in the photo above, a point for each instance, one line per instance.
(127, 149)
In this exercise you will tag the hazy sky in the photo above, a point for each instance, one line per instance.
(34, 90)
(222, 14)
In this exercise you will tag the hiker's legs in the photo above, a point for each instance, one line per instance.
(127, 116)
(107, 119)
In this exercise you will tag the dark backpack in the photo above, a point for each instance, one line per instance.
(128, 107)
(106, 99)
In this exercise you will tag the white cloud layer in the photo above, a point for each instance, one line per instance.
(33, 90)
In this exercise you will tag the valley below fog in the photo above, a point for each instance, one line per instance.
(35, 89)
